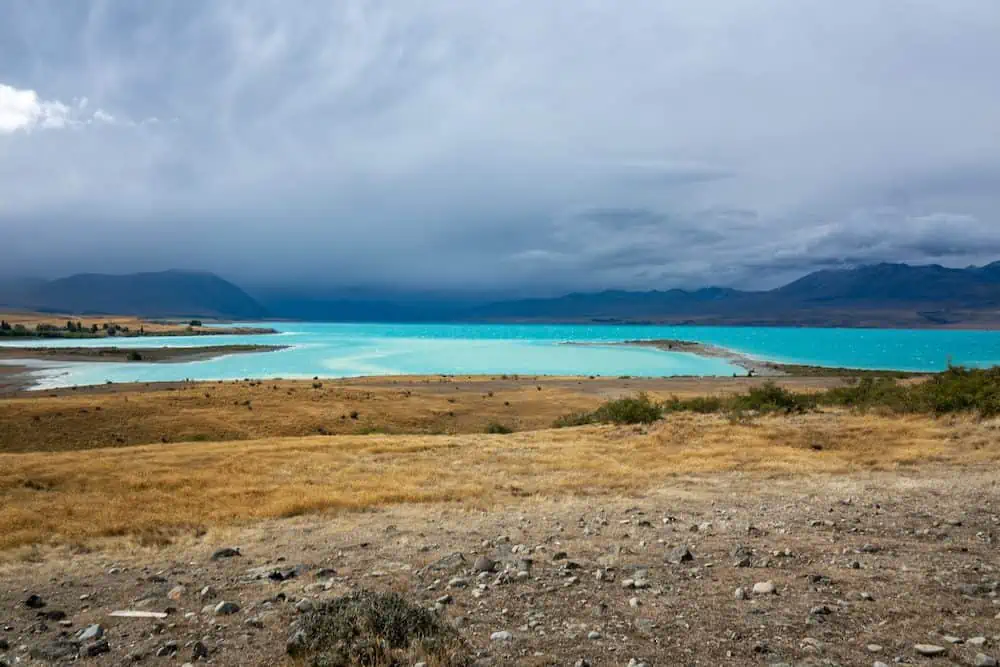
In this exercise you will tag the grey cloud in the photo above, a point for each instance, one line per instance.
(504, 145)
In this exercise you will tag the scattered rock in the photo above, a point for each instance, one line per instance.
(593, 635)
(91, 633)
(304, 606)
(226, 552)
(225, 608)
(484, 564)
(199, 651)
(740, 594)
(54, 651)
(96, 648)
(168, 649)
(176, 593)
(501, 636)
(765, 588)
(983, 660)
(34, 602)
(929, 650)
(681, 554)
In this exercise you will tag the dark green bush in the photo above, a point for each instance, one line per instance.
(498, 428)
(639, 409)
(574, 419)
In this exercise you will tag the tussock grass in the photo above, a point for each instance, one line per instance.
(371, 629)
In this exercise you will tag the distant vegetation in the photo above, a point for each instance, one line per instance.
(956, 390)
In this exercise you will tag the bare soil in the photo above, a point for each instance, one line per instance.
(887, 559)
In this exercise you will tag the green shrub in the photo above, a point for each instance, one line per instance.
(498, 428)
(134, 355)
(769, 397)
(574, 419)
(639, 409)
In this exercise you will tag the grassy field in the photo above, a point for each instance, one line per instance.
(80, 466)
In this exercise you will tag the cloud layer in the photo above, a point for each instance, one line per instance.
(509, 145)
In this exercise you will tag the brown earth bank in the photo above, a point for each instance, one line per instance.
(829, 537)
(120, 354)
(135, 326)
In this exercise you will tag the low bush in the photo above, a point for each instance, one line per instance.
(369, 629)
(498, 428)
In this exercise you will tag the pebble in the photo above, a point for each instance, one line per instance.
(458, 582)
(681, 554)
(874, 648)
(593, 634)
(226, 552)
(741, 594)
(484, 564)
(176, 593)
(90, 633)
(929, 650)
(225, 608)
(304, 606)
(634, 602)
(501, 636)
(983, 660)
(765, 588)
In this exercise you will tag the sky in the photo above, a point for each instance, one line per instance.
(498, 146)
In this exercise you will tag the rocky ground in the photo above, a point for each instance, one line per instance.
(725, 569)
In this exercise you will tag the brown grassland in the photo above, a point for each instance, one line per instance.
(146, 465)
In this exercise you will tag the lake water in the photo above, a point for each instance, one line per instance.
(345, 350)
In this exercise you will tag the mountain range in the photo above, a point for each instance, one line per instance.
(879, 295)
(161, 294)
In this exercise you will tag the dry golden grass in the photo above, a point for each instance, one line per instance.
(155, 492)
(208, 411)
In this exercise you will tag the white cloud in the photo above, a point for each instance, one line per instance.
(24, 110)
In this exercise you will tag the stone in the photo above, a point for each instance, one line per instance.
(952, 639)
(874, 648)
(458, 582)
(983, 660)
(96, 648)
(304, 606)
(207, 593)
(226, 552)
(593, 635)
(740, 594)
(225, 608)
(168, 649)
(820, 610)
(501, 636)
(484, 564)
(199, 651)
(560, 555)
(929, 650)
(176, 593)
(55, 651)
(765, 588)
(680, 554)
(297, 643)
(91, 633)
(34, 602)
(634, 602)
(977, 641)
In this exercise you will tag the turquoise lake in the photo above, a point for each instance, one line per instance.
(346, 350)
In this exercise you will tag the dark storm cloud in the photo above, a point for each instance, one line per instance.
(500, 145)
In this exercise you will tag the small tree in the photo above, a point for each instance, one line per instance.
(196, 323)
(4, 325)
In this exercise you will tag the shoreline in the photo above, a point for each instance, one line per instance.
(17, 363)
(757, 367)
